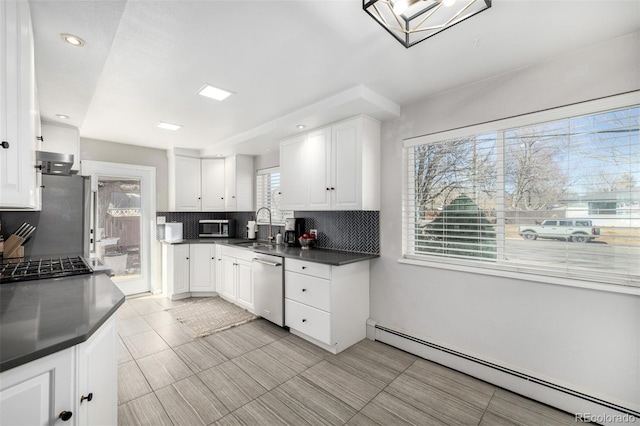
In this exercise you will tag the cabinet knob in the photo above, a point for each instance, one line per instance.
(327, 189)
(304, 289)
(65, 415)
(88, 397)
(187, 258)
(332, 188)
(5, 144)
(304, 267)
(304, 320)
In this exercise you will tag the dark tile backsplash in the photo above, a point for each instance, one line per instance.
(357, 231)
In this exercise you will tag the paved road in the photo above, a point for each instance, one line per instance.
(592, 255)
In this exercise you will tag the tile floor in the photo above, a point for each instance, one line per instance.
(259, 374)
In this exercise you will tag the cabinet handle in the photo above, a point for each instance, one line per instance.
(88, 397)
(40, 138)
(332, 188)
(304, 289)
(5, 144)
(65, 415)
(304, 320)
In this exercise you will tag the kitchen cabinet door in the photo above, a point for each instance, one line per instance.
(293, 173)
(98, 376)
(38, 392)
(213, 184)
(202, 267)
(244, 285)
(228, 286)
(239, 183)
(318, 168)
(175, 270)
(346, 165)
(218, 268)
(185, 184)
(18, 109)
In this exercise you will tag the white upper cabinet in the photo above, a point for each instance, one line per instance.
(210, 184)
(293, 174)
(239, 183)
(62, 139)
(213, 182)
(19, 116)
(333, 168)
(184, 183)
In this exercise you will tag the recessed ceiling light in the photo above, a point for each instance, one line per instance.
(301, 126)
(63, 117)
(214, 92)
(168, 126)
(72, 40)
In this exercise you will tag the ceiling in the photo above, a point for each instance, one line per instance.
(287, 62)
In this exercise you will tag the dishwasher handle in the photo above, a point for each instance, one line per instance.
(265, 262)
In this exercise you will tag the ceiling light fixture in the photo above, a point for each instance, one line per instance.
(72, 40)
(301, 126)
(168, 126)
(413, 21)
(62, 116)
(214, 92)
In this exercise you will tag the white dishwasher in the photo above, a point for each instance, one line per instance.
(268, 287)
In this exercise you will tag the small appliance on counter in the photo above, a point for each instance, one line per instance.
(173, 232)
(293, 229)
(216, 228)
(251, 230)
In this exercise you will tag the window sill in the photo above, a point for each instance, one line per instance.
(609, 288)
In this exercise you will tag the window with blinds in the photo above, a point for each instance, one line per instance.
(558, 197)
(268, 195)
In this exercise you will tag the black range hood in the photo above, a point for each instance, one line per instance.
(54, 163)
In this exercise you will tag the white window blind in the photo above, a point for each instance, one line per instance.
(268, 195)
(559, 197)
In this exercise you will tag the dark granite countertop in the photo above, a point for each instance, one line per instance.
(38, 318)
(316, 255)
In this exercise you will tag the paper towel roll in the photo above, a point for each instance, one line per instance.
(251, 230)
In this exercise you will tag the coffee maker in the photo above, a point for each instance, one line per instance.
(293, 229)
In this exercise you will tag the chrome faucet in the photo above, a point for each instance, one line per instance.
(270, 233)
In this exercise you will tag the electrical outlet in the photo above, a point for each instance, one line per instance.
(314, 232)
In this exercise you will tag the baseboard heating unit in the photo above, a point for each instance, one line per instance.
(549, 393)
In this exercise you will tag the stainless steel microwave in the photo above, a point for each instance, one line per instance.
(216, 228)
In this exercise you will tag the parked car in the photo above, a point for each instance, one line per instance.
(576, 230)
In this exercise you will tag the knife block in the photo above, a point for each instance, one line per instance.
(13, 247)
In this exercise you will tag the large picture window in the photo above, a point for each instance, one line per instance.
(557, 197)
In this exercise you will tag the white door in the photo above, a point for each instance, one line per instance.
(293, 173)
(318, 169)
(124, 221)
(213, 184)
(202, 267)
(347, 165)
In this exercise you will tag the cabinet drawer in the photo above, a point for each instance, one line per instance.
(310, 321)
(309, 290)
(308, 268)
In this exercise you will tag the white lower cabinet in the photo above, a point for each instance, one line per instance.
(188, 270)
(50, 389)
(237, 278)
(327, 305)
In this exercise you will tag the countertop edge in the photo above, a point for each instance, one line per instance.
(287, 252)
(57, 347)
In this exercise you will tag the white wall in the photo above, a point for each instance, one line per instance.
(584, 339)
